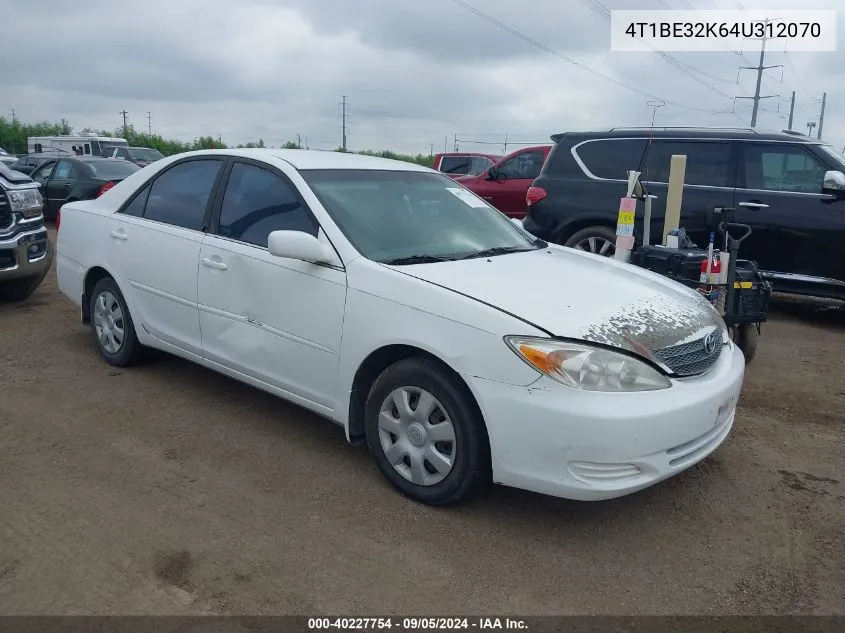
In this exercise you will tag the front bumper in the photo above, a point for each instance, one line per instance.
(25, 253)
(590, 446)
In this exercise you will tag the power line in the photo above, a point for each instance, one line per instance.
(576, 63)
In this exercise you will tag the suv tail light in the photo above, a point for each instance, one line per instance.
(104, 188)
(534, 195)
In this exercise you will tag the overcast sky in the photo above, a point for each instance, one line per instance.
(416, 72)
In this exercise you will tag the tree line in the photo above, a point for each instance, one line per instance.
(14, 133)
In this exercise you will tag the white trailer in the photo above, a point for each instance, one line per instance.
(83, 144)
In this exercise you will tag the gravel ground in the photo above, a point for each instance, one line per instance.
(169, 489)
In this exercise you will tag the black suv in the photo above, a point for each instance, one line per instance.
(788, 187)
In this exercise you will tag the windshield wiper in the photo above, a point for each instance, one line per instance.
(417, 259)
(498, 250)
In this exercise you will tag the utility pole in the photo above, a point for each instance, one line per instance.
(456, 143)
(431, 150)
(343, 125)
(810, 126)
(791, 109)
(760, 67)
(150, 124)
(821, 116)
(306, 143)
(299, 141)
(445, 144)
(505, 153)
(125, 129)
(12, 110)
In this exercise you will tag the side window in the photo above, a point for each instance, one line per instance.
(708, 162)
(526, 165)
(38, 148)
(122, 153)
(136, 206)
(63, 170)
(180, 195)
(781, 167)
(44, 171)
(258, 202)
(614, 158)
(455, 164)
(87, 148)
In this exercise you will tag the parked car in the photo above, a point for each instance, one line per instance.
(382, 296)
(7, 160)
(30, 162)
(464, 163)
(141, 156)
(25, 251)
(79, 178)
(788, 187)
(505, 184)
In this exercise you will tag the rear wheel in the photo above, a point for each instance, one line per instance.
(426, 434)
(114, 332)
(600, 240)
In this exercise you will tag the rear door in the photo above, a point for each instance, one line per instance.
(41, 175)
(796, 229)
(59, 186)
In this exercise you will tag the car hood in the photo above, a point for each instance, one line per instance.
(578, 295)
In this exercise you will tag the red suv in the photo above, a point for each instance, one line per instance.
(505, 184)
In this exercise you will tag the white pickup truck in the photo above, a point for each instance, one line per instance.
(141, 156)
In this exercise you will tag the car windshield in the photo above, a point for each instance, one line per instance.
(394, 215)
(112, 168)
(835, 158)
(145, 154)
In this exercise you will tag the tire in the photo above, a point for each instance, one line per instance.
(746, 337)
(600, 240)
(121, 350)
(464, 460)
(22, 289)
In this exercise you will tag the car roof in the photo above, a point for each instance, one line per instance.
(315, 159)
(689, 132)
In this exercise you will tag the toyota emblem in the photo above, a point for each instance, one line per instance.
(710, 342)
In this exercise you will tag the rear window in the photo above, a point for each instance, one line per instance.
(456, 164)
(613, 158)
(112, 168)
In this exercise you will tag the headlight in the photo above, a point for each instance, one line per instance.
(585, 367)
(27, 202)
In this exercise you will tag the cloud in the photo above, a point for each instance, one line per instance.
(417, 74)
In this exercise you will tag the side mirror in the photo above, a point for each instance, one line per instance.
(834, 184)
(298, 245)
(492, 174)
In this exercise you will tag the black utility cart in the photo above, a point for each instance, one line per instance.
(742, 299)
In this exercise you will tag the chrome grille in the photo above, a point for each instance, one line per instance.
(5, 211)
(693, 358)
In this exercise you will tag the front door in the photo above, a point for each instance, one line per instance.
(272, 319)
(41, 175)
(513, 178)
(59, 187)
(155, 241)
(796, 229)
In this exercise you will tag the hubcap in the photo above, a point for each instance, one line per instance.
(108, 322)
(597, 245)
(417, 436)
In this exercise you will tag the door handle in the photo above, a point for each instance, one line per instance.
(754, 205)
(119, 235)
(213, 263)
(68, 185)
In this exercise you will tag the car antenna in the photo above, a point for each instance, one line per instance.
(654, 104)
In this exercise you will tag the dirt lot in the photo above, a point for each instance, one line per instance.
(169, 489)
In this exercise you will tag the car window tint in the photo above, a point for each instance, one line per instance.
(708, 162)
(180, 195)
(136, 205)
(258, 202)
(43, 171)
(525, 165)
(782, 168)
(458, 165)
(614, 158)
(63, 170)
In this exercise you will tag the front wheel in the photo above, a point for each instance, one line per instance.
(426, 434)
(599, 240)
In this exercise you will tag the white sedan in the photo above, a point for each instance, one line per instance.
(392, 301)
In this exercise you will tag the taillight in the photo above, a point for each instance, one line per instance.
(534, 195)
(104, 188)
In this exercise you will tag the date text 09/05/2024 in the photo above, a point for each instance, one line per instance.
(417, 624)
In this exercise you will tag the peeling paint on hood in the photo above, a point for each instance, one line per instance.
(581, 296)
